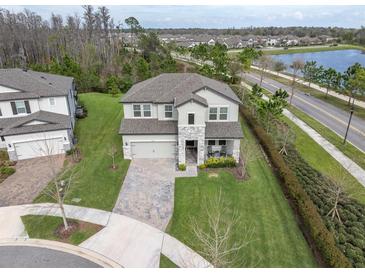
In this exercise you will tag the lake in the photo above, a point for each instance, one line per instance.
(340, 60)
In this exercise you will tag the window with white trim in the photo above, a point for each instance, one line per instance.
(20, 107)
(218, 113)
(222, 142)
(168, 111)
(142, 110)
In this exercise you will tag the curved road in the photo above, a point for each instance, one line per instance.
(329, 115)
(37, 257)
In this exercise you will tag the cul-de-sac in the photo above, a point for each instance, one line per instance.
(151, 137)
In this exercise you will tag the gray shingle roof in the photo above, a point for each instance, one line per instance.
(147, 126)
(167, 87)
(15, 126)
(33, 84)
(223, 130)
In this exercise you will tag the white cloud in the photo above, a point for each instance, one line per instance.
(298, 15)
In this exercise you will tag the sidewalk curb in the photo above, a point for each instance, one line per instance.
(67, 248)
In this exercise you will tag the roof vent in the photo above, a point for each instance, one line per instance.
(25, 69)
(43, 77)
(50, 84)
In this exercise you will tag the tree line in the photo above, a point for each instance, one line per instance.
(89, 48)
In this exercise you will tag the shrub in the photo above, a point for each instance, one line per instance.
(202, 166)
(323, 239)
(6, 170)
(214, 162)
(182, 167)
(4, 155)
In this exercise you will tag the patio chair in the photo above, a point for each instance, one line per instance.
(210, 151)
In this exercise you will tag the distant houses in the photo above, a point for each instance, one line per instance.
(237, 41)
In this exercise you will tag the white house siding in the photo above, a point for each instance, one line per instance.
(191, 107)
(6, 89)
(215, 99)
(11, 141)
(60, 105)
(129, 139)
(128, 111)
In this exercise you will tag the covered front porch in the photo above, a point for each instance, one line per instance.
(222, 148)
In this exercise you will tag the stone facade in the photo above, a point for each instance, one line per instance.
(191, 133)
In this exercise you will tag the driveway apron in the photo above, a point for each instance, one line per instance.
(148, 192)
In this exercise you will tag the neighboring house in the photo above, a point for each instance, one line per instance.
(181, 115)
(37, 113)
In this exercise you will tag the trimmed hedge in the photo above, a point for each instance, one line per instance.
(214, 162)
(312, 221)
(182, 167)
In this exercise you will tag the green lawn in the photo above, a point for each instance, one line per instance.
(322, 161)
(166, 262)
(43, 227)
(277, 241)
(341, 104)
(97, 184)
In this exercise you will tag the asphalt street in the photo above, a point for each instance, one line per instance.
(329, 115)
(37, 257)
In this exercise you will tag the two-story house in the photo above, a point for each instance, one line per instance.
(37, 113)
(185, 116)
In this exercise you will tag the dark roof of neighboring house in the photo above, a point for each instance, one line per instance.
(17, 125)
(33, 84)
(168, 87)
(223, 130)
(147, 126)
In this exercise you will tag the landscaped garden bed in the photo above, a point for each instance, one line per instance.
(6, 166)
(52, 228)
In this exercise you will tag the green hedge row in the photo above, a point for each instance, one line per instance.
(215, 162)
(303, 205)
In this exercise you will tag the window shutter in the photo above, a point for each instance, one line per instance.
(13, 107)
(27, 106)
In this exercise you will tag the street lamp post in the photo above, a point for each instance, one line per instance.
(348, 126)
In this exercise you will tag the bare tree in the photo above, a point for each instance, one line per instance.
(61, 182)
(296, 66)
(112, 153)
(264, 62)
(217, 242)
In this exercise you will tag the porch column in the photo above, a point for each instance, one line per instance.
(236, 149)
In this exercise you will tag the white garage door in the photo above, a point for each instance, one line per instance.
(153, 149)
(32, 149)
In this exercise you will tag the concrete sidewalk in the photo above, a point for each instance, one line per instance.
(315, 86)
(126, 241)
(354, 169)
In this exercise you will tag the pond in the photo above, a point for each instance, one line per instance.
(340, 60)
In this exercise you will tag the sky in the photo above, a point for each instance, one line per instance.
(222, 16)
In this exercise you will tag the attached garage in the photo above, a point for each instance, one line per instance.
(39, 148)
(153, 149)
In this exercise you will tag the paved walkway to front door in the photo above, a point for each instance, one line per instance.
(30, 178)
(148, 192)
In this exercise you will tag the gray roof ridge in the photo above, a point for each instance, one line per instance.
(180, 83)
(42, 82)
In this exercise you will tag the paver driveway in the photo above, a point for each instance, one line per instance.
(148, 191)
(30, 178)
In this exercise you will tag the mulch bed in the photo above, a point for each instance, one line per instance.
(74, 226)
